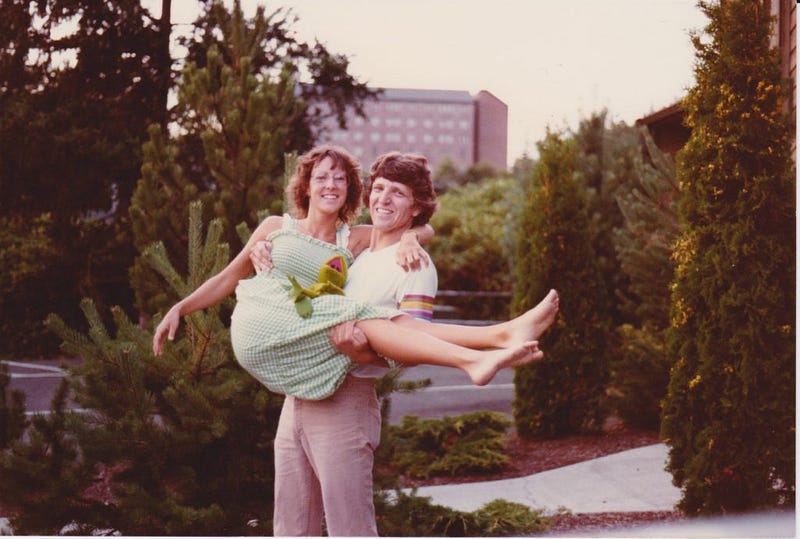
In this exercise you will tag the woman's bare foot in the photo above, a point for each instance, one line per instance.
(530, 325)
(485, 368)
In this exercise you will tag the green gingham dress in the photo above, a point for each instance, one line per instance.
(287, 353)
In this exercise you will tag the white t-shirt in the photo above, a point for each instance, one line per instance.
(377, 279)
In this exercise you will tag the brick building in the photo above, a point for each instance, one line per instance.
(436, 123)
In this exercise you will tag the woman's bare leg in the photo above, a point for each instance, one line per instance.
(529, 326)
(412, 347)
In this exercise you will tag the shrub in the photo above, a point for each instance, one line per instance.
(640, 376)
(564, 393)
(469, 443)
(182, 442)
(640, 371)
(408, 515)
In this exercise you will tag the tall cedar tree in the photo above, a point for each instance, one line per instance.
(73, 114)
(640, 371)
(605, 156)
(644, 241)
(563, 393)
(175, 445)
(729, 416)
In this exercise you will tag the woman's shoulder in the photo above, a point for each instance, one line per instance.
(268, 226)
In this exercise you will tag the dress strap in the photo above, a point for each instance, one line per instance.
(289, 222)
(342, 232)
(343, 236)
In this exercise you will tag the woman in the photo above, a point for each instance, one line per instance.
(292, 355)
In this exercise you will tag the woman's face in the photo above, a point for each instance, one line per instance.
(327, 187)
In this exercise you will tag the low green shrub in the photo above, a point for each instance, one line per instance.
(469, 443)
(401, 514)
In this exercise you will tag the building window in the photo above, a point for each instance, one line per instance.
(375, 137)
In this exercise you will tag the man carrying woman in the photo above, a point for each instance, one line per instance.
(293, 355)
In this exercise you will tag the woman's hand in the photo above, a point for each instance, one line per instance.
(410, 254)
(261, 256)
(166, 329)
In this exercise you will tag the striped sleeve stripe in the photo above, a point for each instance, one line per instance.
(422, 315)
(418, 306)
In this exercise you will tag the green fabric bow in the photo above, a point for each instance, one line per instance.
(332, 276)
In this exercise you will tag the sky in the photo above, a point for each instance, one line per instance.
(553, 62)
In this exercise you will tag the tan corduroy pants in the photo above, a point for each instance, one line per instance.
(323, 463)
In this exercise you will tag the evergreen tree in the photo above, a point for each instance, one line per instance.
(329, 90)
(523, 167)
(40, 476)
(478, 172)
(176, 445)
(12, 410)
(562, 394)
(238, 114)
(74, 114)
(640, 372)
(70, 138)
(644, 242)
(230, 157)
(605, 159)
(446, 176)
(89, 115)
(27, 249)
(729, 416)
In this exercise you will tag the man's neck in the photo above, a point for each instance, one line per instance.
(381, 239)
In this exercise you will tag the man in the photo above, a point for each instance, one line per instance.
(324, 449)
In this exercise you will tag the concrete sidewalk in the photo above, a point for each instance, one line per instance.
(629, 481)
(633, 480)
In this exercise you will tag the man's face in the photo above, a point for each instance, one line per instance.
(391, 205)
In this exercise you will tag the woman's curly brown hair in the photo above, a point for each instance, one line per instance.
(297, 188)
